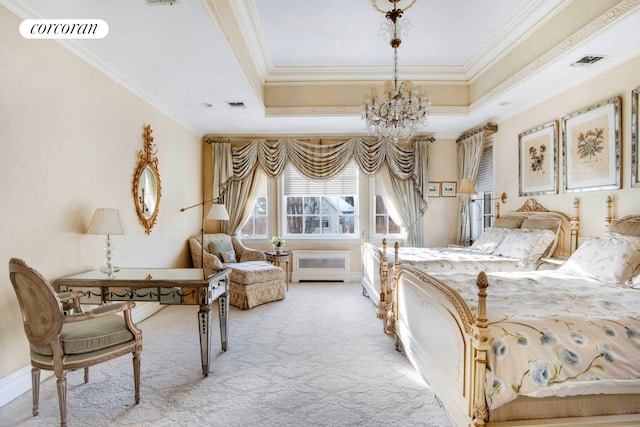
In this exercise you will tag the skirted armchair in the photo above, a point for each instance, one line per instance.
(222, 243)
(253, 281)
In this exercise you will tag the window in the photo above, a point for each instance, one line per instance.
(256, 225)
(326, 207)
(384, 225)
(482, 207)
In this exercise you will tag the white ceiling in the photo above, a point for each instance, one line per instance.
(177, 58)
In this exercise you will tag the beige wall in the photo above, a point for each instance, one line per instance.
(618, 82)
(69, 138)
(441, 217)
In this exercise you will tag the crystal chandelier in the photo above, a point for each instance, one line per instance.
(403, 108)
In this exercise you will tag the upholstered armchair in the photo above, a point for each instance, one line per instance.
(60, 342)
(253, 281)
(215, 245)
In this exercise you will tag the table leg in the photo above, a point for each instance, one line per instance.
(223, 314)
(204, 326)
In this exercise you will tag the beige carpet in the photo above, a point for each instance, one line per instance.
(318, 358)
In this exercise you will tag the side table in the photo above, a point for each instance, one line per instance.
(276, 258)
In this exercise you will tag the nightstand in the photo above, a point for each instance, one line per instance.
(277, 258)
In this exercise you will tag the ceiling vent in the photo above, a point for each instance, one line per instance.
(236, 105)
(587, 60)
(165, 2)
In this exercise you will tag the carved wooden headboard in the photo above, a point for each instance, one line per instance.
(569, 226)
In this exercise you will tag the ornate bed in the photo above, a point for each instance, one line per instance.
(377, 262)
(569, 356)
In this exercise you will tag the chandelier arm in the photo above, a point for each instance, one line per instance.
(403, 108)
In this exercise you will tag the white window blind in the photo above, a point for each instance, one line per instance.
(484, 181)
(297, 184)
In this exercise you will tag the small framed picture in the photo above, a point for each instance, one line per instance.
(433, 190)
(635, 144)
(539, 160)
(591, 148)
(449, 188)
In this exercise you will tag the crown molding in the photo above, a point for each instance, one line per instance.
(601, 23)
(446, 110)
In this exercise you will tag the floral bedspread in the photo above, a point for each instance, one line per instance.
(556, 333)
(436, 260)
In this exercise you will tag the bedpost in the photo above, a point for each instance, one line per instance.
(480, 350)
(384, 274)
(607, 218)
(575, 226)
(393, 304)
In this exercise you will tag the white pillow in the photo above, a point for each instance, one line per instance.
(612, 258)
(228, 256)
(526, 245)
(489, 240)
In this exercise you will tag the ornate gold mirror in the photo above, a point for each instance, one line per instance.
(146, 183)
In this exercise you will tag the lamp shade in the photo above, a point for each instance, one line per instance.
(467, 187)
(106, 221)
(218, 212)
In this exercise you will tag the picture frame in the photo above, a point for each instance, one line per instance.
(448, 189)
(635, 144)
(433, 189)
(591, 148)
(538, 160)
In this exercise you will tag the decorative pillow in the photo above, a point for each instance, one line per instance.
(218, 247)
(526, 245)
(228, 256)
(552, 224)
(508, 221)
(613, 258)
(631, 228)
(489, 240)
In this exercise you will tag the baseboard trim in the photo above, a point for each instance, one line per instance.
(18, 383)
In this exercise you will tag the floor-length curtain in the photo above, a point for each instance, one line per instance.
(238, 195)
(406, 198)
(223, 169)
(469, 154)
(240, 198)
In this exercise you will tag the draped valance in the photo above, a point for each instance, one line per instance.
(316, 161)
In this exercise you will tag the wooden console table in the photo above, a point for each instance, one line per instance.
(192, 286)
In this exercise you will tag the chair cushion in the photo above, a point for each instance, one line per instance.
(223, 246)
(250, 272)
(90, 335)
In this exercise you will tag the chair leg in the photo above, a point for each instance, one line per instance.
(136, 375)
(62, 398)
(86, 375)
(35, 389)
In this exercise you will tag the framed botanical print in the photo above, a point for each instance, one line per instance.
(591, 148)
(433, 190)
(538, 165)
(449, 189)
(635, 144)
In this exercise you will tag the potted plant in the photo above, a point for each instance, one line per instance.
(278, 243)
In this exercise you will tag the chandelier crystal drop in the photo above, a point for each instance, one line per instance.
(403, 108)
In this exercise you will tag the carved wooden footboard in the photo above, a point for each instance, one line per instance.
(449, 346)
(435, 328)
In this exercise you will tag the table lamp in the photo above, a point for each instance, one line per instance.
(106, 221)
